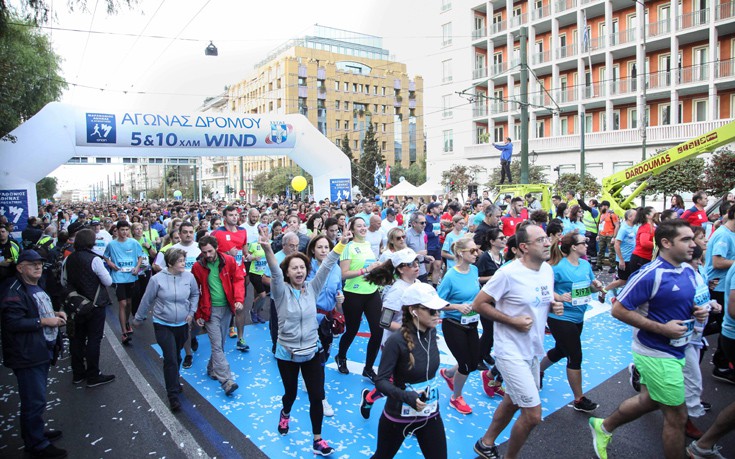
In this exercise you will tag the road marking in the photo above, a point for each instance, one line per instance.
(183, 439)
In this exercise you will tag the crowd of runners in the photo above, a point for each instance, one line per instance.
(316, 269)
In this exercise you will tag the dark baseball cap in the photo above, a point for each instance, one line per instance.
(390, 211)
(29, 255)
(432, 205)
(95, 223)
(74, 227)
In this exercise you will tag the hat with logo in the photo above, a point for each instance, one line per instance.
(423, 294)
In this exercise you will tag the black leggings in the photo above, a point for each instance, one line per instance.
(486, 340)
(429, 433)
(354, 306)
(313, 373)
(464, 343)
(727, 346)
(568, 344)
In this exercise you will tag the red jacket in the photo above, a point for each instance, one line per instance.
(233, 283)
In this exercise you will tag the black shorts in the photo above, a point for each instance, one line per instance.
(624, 274)
(124, 291)
(258, 285)
(436, 253)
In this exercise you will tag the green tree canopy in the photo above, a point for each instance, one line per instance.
(415, 173)
(276, 181)
(535, 175)
(29, 74)
(459, 177)
(46, 188)
(364, 175)
(573, 182)
(720, 175)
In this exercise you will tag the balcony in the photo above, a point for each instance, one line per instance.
(567, 95)
(479, 110)
(658, 80)
(446, 7)
(563, 5)
(497, 69)
(479, 33)
(694, 74)
(498, 107)
(540, 58)
(597, 43)
(725, 11)
(619, 38)
(693, 19)
(498, 27)
(566, 51)
(517, 21)
(594, 90)
(657, 29)
(539, 13)
(725, 68)
(479, 73)
(623, 86)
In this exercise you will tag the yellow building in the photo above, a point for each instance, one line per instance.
(341, 81)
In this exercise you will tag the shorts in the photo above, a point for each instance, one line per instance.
(521, 378)
(625, 273)
(436, 253)
(124, 291)
(258, 285)
(663, 377)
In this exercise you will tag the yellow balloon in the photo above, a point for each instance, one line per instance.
(298, 183)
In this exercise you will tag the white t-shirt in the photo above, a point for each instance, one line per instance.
(518, 290)
(386, 225)
(252, 231)
(391, 298)
(101, 240)
(192, 253)
(376, 238)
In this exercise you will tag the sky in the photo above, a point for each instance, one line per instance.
(151, 55)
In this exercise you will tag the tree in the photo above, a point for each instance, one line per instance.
(535, 174)
(720, 175)
(348, 152)
(276, 181)
(38, 11)
(415, 173)
(459, 177)
(29, 74)
(684, 177)
(572, 182)
(46, 188)
(368, 159)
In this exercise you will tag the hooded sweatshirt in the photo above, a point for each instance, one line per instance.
(506, 151)
(172, 296)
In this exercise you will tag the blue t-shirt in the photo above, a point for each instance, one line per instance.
(576, 280)
(626, 236)
(447, 247)
(433, 229)
(722, 243)
(668, 294)
(125, 256)
(280, 256)
(570, 226)
(327, 297)
(459, 288)
(728, 324)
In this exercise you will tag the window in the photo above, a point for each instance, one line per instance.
(347, 105)
(384, 146)
(355, 144)
(336, 125)
(347, 124)
(633, 118)
(382, 109)
(587, 123)
(354, 87)
(446, 71)
(302, 81)
(447, 34)
(447, 106)
(540, 127)
(564, 124)
(375, 90)
(700, 110)
(338, 142)
(616, 120)
(336, 85)
(383, 127)
(498, 134)
(346, 86)
(382, 91)
(621, 166)
(359, 87)
(448, 141)
(336, 105)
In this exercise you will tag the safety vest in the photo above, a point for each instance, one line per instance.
(590, 222)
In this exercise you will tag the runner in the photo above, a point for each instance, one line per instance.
(459, 287)
(574, 283)
(487, 263)
(396, 241)
(667, 286)
(458, 230)
(519, 317)
(644, 238)
(407, 376)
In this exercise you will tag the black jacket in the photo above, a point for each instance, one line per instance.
(24, 344)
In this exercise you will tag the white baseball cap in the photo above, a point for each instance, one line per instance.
(403, 256)
(423, 294)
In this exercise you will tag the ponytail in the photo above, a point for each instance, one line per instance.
(383, 275)
(408, 328)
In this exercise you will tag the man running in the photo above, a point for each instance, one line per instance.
(665, 288)
(518, 299)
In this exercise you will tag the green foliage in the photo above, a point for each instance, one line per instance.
(38, 11)
(573, 182)
(47, 188)
(459, 177)
(415, 173)
(535, 175)
(348, 152)
(275, 181)
(363, 175)
(29, 74)
(720, 175)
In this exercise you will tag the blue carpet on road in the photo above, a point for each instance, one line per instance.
(254, 407)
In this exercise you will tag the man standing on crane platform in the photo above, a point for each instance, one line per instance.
(506, 152)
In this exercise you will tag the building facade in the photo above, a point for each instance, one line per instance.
(678, 63)
(342, 81)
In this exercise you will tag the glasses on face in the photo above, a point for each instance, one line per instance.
(474, 251)
(541, 240)
(398, 238)
(432, 312)
(580, 243)
(502, 238)
(413, 264)
(421, 223)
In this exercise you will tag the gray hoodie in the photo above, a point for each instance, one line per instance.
(173, 297)
(297, 325)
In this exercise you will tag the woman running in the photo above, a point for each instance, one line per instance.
(297, 347)
(488, 262)
(407, 375)
(459, 287)
(396, 275)
(361, 297)
(574, 283)
(643, 251)
(458, 224)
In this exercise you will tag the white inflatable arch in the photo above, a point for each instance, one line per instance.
(60, 132)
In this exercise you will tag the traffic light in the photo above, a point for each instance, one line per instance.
(228, 190)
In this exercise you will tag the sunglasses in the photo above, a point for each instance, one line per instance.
(475, 250)
(400, 237)
(432, 312)
(413, 264)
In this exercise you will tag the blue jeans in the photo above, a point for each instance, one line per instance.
(32, 390)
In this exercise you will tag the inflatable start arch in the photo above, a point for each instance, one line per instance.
(60, 132)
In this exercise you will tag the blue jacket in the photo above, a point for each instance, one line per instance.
(24, 344)
(506, 151)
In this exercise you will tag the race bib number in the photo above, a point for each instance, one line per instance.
(238, 257)
(126, 266)
(687, 338)
(701, 296)
(190, 263)
(437, 227)
(470, 318)
(581, 292)
(431, 390)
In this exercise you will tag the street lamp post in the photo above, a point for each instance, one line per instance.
(643, 71)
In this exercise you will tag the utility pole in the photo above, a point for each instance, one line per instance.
(581, 143)
(524, 104)
(242, 178)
